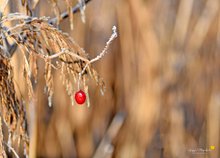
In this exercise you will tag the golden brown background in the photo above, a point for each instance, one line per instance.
(162, 78)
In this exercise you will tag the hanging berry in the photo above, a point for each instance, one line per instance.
(80, 97)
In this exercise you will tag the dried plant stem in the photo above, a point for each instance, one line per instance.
(105, 147)
(65, 15)
(56, 11)
(78, 7)
(64, 51)
(82, 10)
(3, 6)
(102, 54)
(2, 150)
(202, 26)
(69, 8)
(104, 51)
(12, 149)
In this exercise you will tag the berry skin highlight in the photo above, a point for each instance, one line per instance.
(80, 97)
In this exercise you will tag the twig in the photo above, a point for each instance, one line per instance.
(8, 48)
(105, 147)
(64, 51)
(2, 9)
(102, 54)
(104, 51)
(12, 149)
(65, 15)
(52, 21)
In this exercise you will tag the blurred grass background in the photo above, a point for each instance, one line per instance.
(162, 78)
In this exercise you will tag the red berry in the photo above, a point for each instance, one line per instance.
(80, 97)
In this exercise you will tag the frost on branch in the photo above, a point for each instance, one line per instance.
(38, 39)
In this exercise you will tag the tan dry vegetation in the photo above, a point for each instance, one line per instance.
(162, 96)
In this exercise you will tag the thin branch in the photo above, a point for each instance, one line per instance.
(104, 51)
(64, 51)
(65, 15)
(52, 21)
(105, 147)
(12, 149)
(2, 9)
(102, 54)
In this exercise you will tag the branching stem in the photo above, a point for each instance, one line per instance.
(102, 54)
(65, 14)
